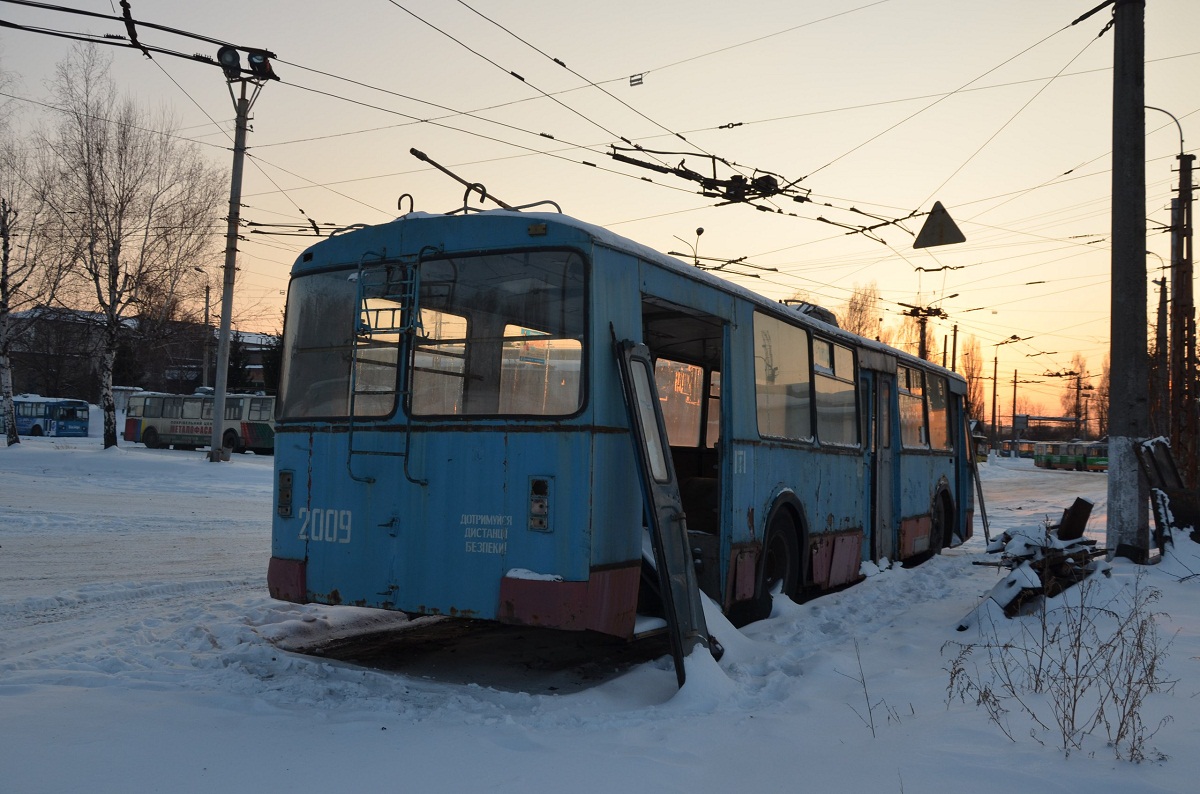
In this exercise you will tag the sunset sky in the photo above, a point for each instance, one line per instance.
(1000, 111)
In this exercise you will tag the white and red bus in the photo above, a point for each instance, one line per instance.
(185, 421)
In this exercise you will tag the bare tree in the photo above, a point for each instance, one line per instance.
(972, 369)
(1101, 400)
(860, 315)
(138, 204)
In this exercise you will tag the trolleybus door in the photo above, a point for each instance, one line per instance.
(664, 507)
(882, 490)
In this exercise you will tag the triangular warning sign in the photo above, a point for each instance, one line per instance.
(939, 229)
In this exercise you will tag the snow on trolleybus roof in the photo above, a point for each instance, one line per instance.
(605, 237)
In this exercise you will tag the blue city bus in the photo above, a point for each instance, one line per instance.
(49, 416)
(453, 436)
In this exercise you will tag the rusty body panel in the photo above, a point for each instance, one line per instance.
(835, 559)
(285, 580)
(607, 602)
(914, 535)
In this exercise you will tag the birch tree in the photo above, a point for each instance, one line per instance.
(29, 264)
(139, 204)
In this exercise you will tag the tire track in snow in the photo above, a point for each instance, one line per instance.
(38, 630)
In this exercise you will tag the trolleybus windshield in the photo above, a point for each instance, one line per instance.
(494, 335)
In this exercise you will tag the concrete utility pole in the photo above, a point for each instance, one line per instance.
(954, 350)
(260, 68)
(1079, 395)
(995, 380)
(1129, 411)
(1160, 401)
(1183, 423)
(1184, 392)
(1016, 435)
(242, 105)
(207, 335)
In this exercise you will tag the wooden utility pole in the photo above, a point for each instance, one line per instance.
(1129, 411)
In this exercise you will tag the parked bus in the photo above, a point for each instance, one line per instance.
(1071, 455)
(1095, 456)
(49, 416)
(1017, 449)
(185, 421)
(455, 438)
(1043, 453)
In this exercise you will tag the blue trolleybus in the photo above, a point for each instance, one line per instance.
(454, 435)
(49, 416)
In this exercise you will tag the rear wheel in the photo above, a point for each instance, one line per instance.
(230, 441)
(942, 532)
(36, 430)
(150, 438)
(780, 568)
(781, 556)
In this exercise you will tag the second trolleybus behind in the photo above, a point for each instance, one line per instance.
(185, 421)
(454, 438)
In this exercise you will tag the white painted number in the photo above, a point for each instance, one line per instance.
(331, 526)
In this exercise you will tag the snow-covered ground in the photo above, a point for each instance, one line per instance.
(140, 652)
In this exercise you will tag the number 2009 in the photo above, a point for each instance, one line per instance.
(331, 526)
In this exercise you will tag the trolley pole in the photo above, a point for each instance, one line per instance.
(1128, 533)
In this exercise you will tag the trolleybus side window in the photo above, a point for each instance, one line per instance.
(938, 397)
(782, 379)
(911, 383)
(191, 407)
(261, 409)
(713, 432)
(836, 388)
(680, 391)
